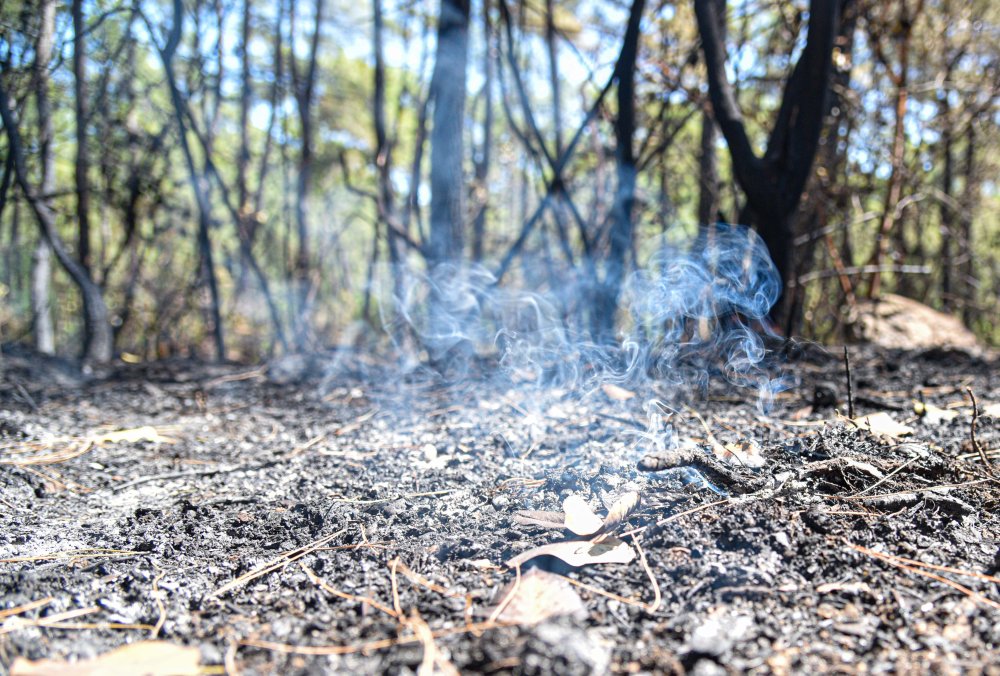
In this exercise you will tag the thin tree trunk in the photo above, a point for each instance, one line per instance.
(41, 269)
(900, 79)
(554, 78)
(708, 158)
(98, 341)
(82, 152)
(448, 88)
(201, 198)
(967, 286)
(774, 183)
(622, 226)
(946, 207)
(482, 164)
(305, 85)
(708, 172)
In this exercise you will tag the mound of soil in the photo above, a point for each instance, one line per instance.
(363, 525)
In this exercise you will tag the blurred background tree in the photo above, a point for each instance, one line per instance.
(226, 178)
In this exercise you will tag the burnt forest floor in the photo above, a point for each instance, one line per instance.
(285, 523)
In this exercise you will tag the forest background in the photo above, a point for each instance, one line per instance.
(236, 179)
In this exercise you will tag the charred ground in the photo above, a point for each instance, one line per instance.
(788, 572)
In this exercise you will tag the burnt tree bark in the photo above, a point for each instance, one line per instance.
(903, 29)
(448, 86)
(167, 54)
(708, 159)
(773, 184)
(482, 160)
(41, 265)
(82, 168)
(622, 230)
(98, 340)
(305, 90)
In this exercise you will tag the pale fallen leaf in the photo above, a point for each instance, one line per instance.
(992, 410)
(746, 452)
(845, 587)
(882, 424)
(145, 433)
(538, 596)
(617, 393)
(580, 553)
(482, 564)
(580, 518)
(146, 658)
(933, 415)
(620, 511)
(542, 519)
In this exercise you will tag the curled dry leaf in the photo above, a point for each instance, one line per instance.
(531, 517)
(150, 658)
(580, 553)
(746, 453)
(881, 424)
(617, 393)
(580, 518)
(537, 597)
(933, 415)
(620, 511)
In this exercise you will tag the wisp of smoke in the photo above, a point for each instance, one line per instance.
(689, 313)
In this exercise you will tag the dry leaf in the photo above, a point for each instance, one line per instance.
(531, 517)
(845, 587)
(146, 658)
(579, 553)
(580, 518)
(881, 424)
(616, 393)
(992, 410)
(538, 596)
(746, 452)
(146, 433)
(933, 415)
(620, 511)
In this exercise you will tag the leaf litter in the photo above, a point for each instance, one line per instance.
(772, 547)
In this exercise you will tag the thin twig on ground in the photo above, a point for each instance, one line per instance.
(277, 562)
(976, 446)
(322, 584)
(898, 563)
(850, 386)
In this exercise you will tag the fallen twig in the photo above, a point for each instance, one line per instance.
(654, 606)
(322, 584)
(32, 605)
(850, 387)
(274, 564)
(73, 554)
(379, 644)
(898, 563)
(987, 463)
(169, 476)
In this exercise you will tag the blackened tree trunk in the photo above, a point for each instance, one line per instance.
(903, 30)
(622, 229)
(482, 163)
(98, 335)
(773, 184)
(41, 268)
(708, 172)
(448, 86)
(305, 89)
(195, 178)
(82, 114)
(708, 158)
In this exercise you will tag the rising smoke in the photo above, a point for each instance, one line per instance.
(692, 312)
